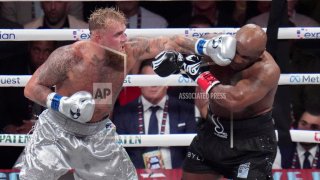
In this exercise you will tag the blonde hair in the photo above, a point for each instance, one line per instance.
(103, 17)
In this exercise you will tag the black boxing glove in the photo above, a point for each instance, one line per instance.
(192, 67)
(167, 63)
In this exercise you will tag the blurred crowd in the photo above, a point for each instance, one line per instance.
(296, 107)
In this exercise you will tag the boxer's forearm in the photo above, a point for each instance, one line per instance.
(36, 92)
(183, 44)
(147, 48)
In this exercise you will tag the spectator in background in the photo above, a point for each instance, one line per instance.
(13, 106)
(56, 17)
(11, 52)
(20, 113)
(139, 17)
(263, 6)
(39, 52)
(294, 17)
(240, 12)
(23, 12)
(301, 155)
(210, 9)
(173, 116)
(200, 21)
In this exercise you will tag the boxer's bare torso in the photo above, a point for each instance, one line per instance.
(92, 67)
(80, 66)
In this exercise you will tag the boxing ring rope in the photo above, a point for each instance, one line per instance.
(83, 34)
(139, 80)
(139, 140)
(172, 80)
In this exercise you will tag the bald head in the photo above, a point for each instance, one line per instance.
(251, 40)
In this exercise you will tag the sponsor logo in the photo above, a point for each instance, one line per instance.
(10, 80)
(75, 112)
(184, 79)
(198, 33)
(193, 69)
(193, 156)
(127, 80)
(216, 43)
(295, 79)
(131, 139)
(219, 129)
(9, 175)
(186, 33)
(80, 35)
(243, 170)
(304, 79)
(7, 36)
(14, 139)
(296, 174)
(305, 33)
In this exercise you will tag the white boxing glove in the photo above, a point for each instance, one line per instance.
(221, 49)
(79, 107)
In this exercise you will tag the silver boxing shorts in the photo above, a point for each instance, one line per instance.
(59, 144)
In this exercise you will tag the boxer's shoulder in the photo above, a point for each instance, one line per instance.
(268, 64)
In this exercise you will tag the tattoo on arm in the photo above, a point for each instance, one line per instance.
(183, 44)
(144, 48)
(139, 46)
(55, 69)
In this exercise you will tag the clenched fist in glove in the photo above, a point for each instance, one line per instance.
(221, 49)
(79, 107)
(204, 78)
(167, 63)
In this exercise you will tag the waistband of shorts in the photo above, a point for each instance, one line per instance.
(257, 122)
(75, 127)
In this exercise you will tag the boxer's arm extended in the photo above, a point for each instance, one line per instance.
(147, 48)
(53, 71)
(246, 91)
(220, 49)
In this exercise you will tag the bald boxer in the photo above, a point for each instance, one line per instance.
(237, 139)
(75, 132)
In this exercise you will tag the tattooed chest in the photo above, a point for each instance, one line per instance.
(90, 76)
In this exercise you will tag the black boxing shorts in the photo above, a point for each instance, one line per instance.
(254, 148)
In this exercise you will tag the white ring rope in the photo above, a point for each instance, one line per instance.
(172, 80)
(158, 140)
(83, 34)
